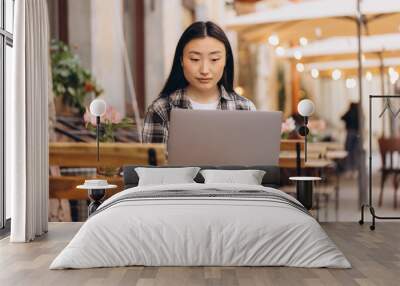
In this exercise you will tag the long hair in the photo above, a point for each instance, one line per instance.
(176, 79)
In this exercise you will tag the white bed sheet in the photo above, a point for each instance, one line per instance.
(193, 231)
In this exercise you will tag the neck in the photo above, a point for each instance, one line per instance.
(202, 96)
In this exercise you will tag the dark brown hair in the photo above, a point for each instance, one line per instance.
(176, 79)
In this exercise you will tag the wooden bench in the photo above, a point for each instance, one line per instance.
(84, 155)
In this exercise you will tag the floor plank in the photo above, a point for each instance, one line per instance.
(375, 257)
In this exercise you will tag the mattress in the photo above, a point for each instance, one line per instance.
(201, 225)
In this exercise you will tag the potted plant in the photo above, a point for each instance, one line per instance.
(72, 83)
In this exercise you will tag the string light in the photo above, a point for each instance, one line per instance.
(298, 55)
(314, 73)
(336, 74)
(351, 83)
(368, 76)
(394, 77)
(299, 67)
(273, 40)
(303, 41)
(280, 51)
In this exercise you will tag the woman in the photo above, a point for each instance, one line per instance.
(201, 78)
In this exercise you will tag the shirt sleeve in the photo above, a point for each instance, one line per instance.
(155, 128)
(252, 106)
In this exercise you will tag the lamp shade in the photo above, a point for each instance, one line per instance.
(305, 107)
(98, 107)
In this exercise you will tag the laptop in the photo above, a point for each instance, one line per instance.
(222, 137)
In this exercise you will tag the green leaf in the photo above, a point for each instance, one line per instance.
(71, 90)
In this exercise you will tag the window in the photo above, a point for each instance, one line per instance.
(6, 44)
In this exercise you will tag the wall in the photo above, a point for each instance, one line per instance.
(163, 27)
(106, 57)
(79, 29)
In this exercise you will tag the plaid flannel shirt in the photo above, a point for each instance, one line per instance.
(156, 122)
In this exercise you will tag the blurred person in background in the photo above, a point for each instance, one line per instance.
(201, 77)
(350, 119)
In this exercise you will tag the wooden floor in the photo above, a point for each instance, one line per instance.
(375, 257)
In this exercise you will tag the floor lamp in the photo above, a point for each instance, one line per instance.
(304, 185)
(96, 188)
(305, 109)
(98, 108)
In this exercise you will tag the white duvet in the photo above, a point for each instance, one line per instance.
(206, 231)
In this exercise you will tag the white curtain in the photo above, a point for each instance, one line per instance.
(27, 122)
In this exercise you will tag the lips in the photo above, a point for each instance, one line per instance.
(204, 80)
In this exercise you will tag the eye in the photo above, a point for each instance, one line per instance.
(215, 60)
(194, 60)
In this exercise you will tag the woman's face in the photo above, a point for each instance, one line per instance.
(203, 62)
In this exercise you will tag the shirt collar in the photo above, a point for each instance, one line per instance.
(180, 99)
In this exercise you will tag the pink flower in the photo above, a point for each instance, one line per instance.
(112, 115)
(89, 118)
(288, 125)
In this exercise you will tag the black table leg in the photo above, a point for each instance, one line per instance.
(304, 191)
(96, 196)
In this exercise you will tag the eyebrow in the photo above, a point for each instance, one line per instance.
(212, 53)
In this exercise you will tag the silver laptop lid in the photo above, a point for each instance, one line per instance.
(221, 137)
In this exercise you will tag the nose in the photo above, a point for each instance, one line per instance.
(204, 69)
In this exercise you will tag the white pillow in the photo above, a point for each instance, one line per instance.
(163, 176)
(249, 177)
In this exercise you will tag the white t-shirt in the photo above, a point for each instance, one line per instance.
(209, 106)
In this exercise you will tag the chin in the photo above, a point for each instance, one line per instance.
(205, 87)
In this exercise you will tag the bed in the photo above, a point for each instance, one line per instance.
(201, 224)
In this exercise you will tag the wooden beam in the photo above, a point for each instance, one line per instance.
(139, 54)
(295, 86)
(63, 21)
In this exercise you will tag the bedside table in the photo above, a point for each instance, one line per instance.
(96, 192)
(304, 189)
